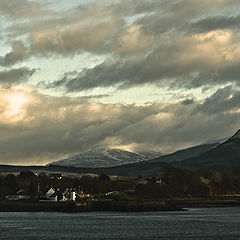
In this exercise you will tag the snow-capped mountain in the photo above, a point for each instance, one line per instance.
(105, 157)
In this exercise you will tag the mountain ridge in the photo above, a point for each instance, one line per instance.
(225, 156)
(105, 157)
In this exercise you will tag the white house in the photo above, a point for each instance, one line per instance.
(72, 195)
(49, 193)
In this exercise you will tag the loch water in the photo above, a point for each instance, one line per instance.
(202, 223)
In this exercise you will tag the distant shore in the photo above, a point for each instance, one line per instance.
(118, 206)
(198, 203)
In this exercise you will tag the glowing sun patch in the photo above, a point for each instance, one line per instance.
(15, 101)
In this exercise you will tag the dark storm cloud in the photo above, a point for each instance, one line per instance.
(222, 101)
(14, 76)
(109, 73)
(217, 22)
(17, 54)
(180, 65)
(160, 48)
(94, 97)
(188, 101)
(149, 43)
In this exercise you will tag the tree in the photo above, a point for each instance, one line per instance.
(10, 184)
(153, 190)
(104, 177)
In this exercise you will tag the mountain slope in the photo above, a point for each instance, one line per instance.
(220, 156)
(224, 157)
(150, 167)
(105, 157)
(185, 153)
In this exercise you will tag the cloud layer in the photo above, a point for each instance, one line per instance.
(40, 128)
(183, 45)
(173, 44)
(15, 76)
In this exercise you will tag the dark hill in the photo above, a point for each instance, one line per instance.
(224, 157)
(185, 153)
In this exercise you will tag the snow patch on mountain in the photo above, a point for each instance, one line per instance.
(105, 157)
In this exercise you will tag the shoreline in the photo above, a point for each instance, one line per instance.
(86, 206)
(112, 206)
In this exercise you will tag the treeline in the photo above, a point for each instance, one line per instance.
(185, 183)
(171, 183)
(37, 184)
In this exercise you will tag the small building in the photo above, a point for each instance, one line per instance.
(49, 193)
(72, 195)
(54, 197)
(50, 196)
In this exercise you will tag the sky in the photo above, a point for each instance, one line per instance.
(141, 75)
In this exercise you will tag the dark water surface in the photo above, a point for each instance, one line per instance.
(205, 223)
